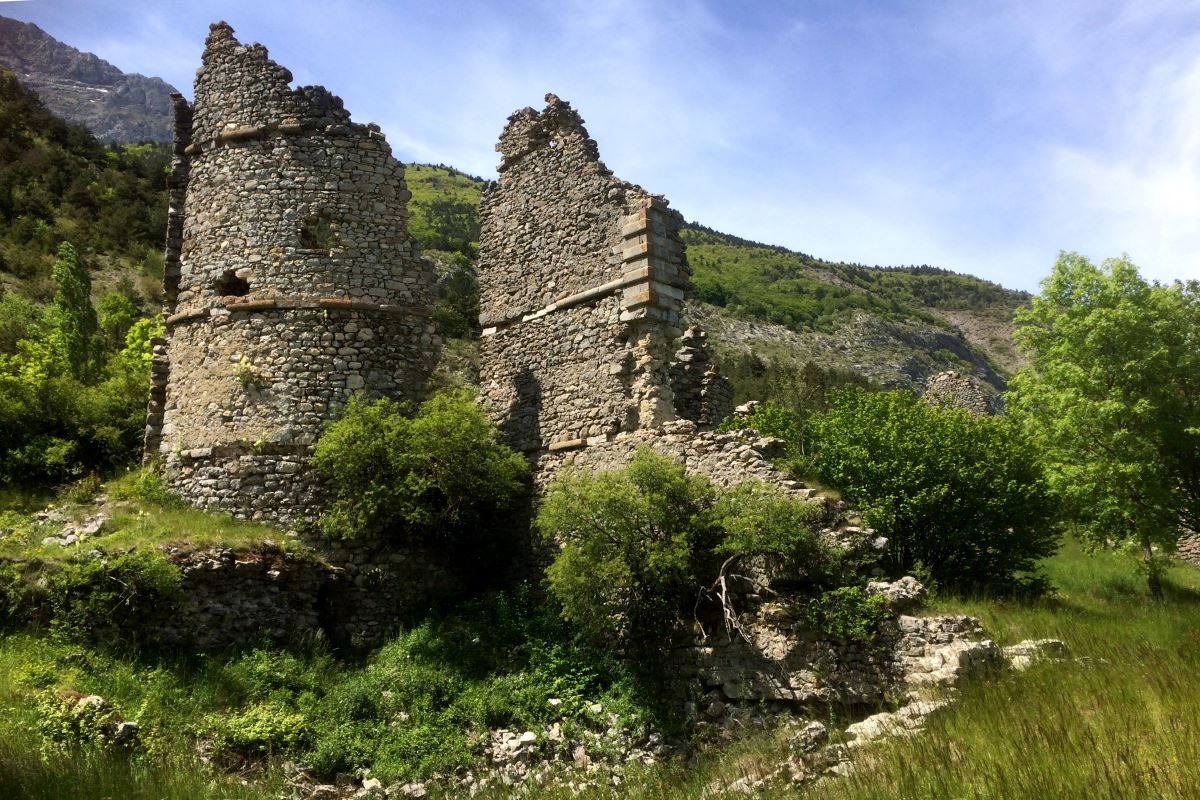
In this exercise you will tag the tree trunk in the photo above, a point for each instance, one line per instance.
(1153, 571)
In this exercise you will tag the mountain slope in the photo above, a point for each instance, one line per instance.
(57, 183)
(84, 89)
(898, 326)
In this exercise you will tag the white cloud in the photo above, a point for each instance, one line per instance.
(1141, 193)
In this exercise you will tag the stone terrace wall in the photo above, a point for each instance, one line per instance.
(582, 277)
(298, 285)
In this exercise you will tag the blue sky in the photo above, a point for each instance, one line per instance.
(979, 136)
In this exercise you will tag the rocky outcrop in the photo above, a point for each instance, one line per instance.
(84, 89)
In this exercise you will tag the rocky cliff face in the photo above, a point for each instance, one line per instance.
(85, 89)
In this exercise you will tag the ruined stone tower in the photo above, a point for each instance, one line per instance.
(582, 278)
(291, 283)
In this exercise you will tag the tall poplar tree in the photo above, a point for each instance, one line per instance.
(73, 318)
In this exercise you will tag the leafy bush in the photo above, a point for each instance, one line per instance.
(642, 545)
(962, 494)
(262, 729)
(439, 471)
(759, 519)
(848, 613)
(630, 542)
(69, 721)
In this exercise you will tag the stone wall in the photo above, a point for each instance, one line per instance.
(702, 394)
(775, 658)
(353, 594)
(956, 390)
(233, 598)
(725, 459)
(582, 278)
(297, 285)
(1189, 548)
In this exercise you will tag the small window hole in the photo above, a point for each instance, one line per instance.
(316, 233)
(230, 285)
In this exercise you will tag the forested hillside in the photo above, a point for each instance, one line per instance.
(57, 183)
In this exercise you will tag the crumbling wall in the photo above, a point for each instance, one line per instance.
(702, 394)
(298, 285)
(582, 278)
(956, 390)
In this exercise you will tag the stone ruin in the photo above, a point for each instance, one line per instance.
(291, 284)
(1188, 547)
(955, 390)
(582, 279)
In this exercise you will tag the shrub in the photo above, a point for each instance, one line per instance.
(848, 613)
(962, 494)
(261, 729)
(759, 519)
(642, 545)
(630, 542)
(67, 721)
(439, 471)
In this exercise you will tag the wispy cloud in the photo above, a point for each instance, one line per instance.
(1140, 194)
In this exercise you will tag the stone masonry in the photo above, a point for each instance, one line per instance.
(291, 283)
(956, 390)
(1189, 548)
(582, 278)
(702, 394)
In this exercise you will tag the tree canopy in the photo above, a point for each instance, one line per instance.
(1112, 394)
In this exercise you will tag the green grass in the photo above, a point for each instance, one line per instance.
(417, 706)
(142, 517)
(165, 698)
(1120, 719)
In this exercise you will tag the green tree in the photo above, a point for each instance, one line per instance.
(964, 496)
(1112, 393)
(72, 316)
